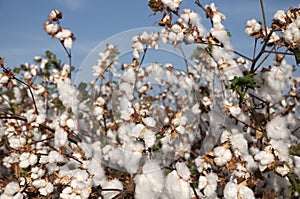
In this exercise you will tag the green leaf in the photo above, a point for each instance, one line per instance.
(296, 52)
(295, 150)
(48, 54)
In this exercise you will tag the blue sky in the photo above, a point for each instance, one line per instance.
(92, 21)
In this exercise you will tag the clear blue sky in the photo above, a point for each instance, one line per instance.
(22, 36)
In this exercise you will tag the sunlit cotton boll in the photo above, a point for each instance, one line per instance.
(60, 138)
(183, 171)
(177, 188)
(222, 155)
(11, 188)
(150, 183)
(231, 190)
(277, 129)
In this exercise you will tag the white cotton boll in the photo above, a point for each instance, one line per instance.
(149, 138)
(196, 109)
(149, 121)
(246, 193)
(15, 142)
(231, 190)
(239, 143)
(180, 129)
(222, 155)
(225, 136)
(282, 170)
(277, 128)
(177, 188)
(70, 123)
(264, 158)
(11, 188)
(179, 37)
(68, 43)
(172, 36)
(49, 188)
(113, 184)
(202, 182)
(3, 79)
(27, 75)
(281, 149)
(55, 156)
(150, 184)
(136, 130)
(24, 160)
(280, 16)
(176, 28)
(131, 161)
(60, 138)
(39, 183)
(183, 171)
(235, 111)
(129, 76)
(189, 38)
(210, 189)
(127, 88)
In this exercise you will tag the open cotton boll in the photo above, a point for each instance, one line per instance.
(11, 188)
(149, 121)
(239, 143)
(264, 158)
(177, 188)
(222, 155)
(60, 138)
(150, 183)
(277, 129)
(246, 193)
(113, 184)
(183, 171)
(231, 190)
(129, 76)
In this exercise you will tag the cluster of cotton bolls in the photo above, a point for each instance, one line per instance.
(106, 61)
(145, 40)
(152, 131)
(53, 28)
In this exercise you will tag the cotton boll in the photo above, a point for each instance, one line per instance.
(11, 188)
(177, 188)
(264, 158)
(149, 121)
(149, 138)
(210, 189)
(277, 129)
(60, 138)
(281, 149)
(246, 193)
(150, 184)
(231, 190)
(113, 184)
(129, 76)
(239, 143)
(222, 155)
(183, 171)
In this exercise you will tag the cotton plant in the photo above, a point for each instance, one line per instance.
(225, 127)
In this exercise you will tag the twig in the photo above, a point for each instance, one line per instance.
(185, 59)
(264, 15)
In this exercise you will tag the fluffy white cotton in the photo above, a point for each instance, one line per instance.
(281, 149)
(149, 121)
(60, 138)
(231, 190)
(246, 193)
(113, 184)
(239, 143)
(183, 171)
(222, 155)
(149, 138)
(264, 158)
(129, 76)
(150, 183)
(11, 188)
(277, 129)
(177, 188)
